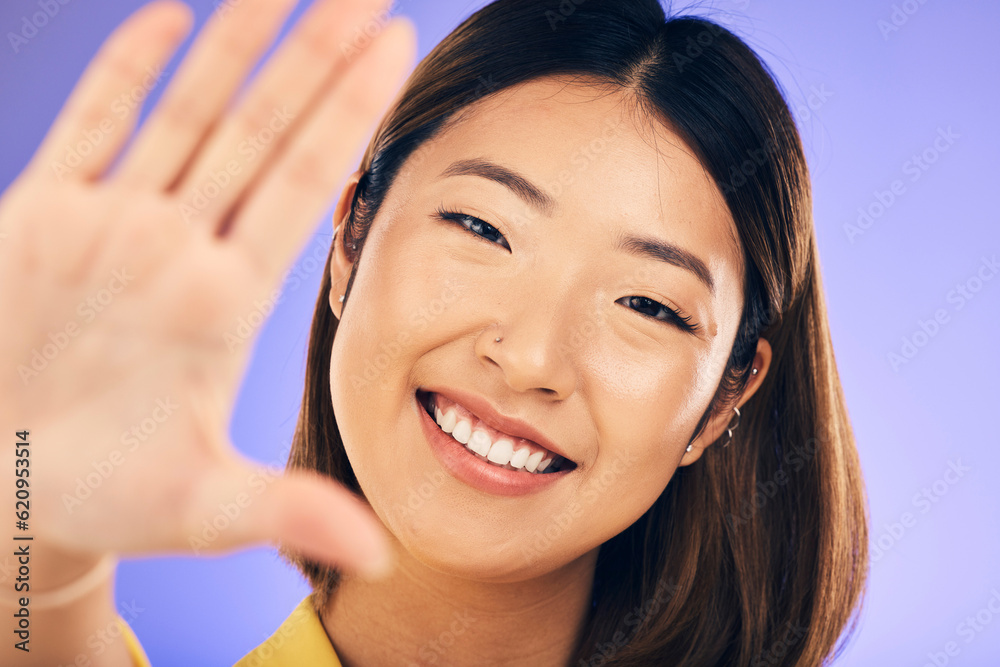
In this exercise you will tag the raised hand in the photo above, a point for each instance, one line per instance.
(121, 271)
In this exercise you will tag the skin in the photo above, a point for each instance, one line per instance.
(185, 280)
(620, 392)
(195, 275)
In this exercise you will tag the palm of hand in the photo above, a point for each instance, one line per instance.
(120, 300)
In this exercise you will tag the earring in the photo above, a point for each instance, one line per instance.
(497, 339)
(754, 371)
(729, 431)
(341, 299)
(732, 428)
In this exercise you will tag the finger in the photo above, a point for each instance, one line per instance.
(242, 503)
(322, 46)
(280, 213)
(324, 521)
(101, 112)
(219, 61)
(302, 511)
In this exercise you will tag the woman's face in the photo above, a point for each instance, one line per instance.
(567, 257)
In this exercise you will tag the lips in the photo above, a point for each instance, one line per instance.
(503, 441)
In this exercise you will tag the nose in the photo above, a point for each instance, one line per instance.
(531, 355)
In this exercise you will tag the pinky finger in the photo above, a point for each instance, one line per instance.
(90, 129)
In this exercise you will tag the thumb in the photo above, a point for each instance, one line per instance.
(242, 503)
(307, 513)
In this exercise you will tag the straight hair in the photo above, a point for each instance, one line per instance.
(756, 554)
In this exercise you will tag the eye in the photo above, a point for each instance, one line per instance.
(478, 227)
(658, 311)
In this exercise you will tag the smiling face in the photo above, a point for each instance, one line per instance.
(605, 259)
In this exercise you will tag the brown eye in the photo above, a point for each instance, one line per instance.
(475, 225)
(658, 311)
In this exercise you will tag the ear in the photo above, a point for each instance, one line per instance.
(718, 425)
(340, 265)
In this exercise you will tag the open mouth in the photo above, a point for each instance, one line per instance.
(487, 443)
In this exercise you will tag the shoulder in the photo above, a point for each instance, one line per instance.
(300, 640)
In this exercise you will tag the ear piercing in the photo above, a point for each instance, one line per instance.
(732, 428)
(729, 431)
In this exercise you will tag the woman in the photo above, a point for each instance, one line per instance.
(570, 346)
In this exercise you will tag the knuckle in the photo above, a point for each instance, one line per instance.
(256, 114)
(316, 43)
(358, 104)
(119, 64)
(241, 41)
(307, 169)
(185, 114)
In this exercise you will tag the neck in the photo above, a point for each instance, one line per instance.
(422, 616)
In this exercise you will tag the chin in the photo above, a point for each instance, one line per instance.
(471, 548)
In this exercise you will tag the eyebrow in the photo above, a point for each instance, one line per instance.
(643, 246)
(519, 185)
(667, 252)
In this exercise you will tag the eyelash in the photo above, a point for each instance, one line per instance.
(456, 217)
(682, 321)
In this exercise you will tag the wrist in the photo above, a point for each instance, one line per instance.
(49, 577)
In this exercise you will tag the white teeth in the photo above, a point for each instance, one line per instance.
(480, 442)
(520, 458)
(448, 420)
(463, 431)
(501, 451)
(532, 463)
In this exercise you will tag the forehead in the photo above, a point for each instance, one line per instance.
(592, 149)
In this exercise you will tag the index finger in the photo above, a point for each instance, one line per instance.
(279, 214)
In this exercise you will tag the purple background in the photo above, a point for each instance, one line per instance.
(868, 102)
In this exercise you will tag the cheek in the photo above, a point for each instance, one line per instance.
(622, 490)
(400, 310)
(394, 301)
(645, 408)
(648, 402)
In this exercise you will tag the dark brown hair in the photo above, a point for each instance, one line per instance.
(757, 554)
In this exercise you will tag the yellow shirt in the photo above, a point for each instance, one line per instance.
(301, 640)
